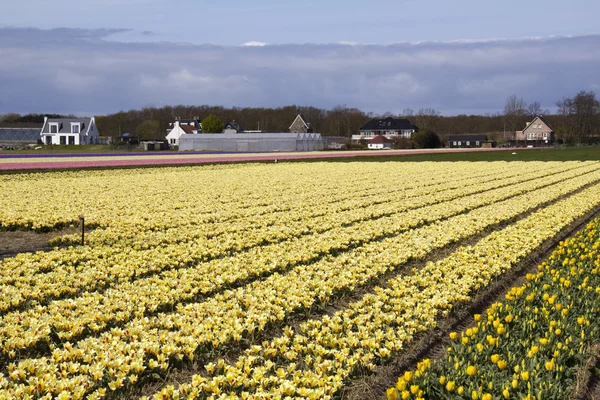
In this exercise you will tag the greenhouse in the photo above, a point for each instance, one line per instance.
(251, 142)
(19, 136)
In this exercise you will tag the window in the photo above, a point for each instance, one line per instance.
(63, 140)
(53, 128)
(459, 143)
(477, 143)
(75, 128)
(71, 139)
(453, 143)
(468, 143)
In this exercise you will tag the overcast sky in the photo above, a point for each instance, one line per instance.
(463, 56)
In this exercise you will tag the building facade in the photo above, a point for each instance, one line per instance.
(300, 125)
(467, 141)
(388, 127)
(536, 133)
(69, 131)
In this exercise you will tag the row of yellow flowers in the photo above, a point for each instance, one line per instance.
(94, 311)
(68, 272)
(315, 362)
(42, 201)
(117, 358)
(276, 211)
(530, 345)
(65, 267)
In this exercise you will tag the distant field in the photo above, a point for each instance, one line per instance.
(13, 161)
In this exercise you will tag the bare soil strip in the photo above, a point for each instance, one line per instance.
(13, 243)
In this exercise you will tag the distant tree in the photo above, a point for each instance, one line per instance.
(407, 112)
(401, 143)
(426, 139)
(147, 130)
(582, 114)
(10, 117)
(212, 124)
(514, 111)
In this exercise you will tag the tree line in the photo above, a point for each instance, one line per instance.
(577, 119)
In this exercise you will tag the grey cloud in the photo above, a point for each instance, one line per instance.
(81, 71)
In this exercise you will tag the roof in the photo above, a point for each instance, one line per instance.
(194, 122)
(64, 124)
(389, 124)
(188, 128)
(234, 125)
(304, 121)
(19, 134)
(464, 138)
(535, 120)
(380, 139)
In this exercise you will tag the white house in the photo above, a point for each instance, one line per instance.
(380, 142)
(180, 129)
(63, 131)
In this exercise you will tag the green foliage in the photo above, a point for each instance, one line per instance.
(212, 124)
(426, 139)
(149, 129)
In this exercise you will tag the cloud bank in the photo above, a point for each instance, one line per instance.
(84, 72)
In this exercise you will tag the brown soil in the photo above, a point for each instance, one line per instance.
(15, 242)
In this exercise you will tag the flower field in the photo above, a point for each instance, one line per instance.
(529, 345)
(187, 265)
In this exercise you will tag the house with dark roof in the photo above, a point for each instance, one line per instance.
(233, 127)
(63, 131)
(300, 125)
(380, 143)
(469, 141)
(388, 127)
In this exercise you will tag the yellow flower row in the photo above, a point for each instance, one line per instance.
(85, 269)
(314, 362)
(111, 197)
(259, 303)
(531, 345)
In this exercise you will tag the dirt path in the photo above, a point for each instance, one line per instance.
(15, 242)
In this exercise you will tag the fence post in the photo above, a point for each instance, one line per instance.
(82, 223)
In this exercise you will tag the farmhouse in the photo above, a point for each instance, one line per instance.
(63, 131)
(179, 129)
(536, 133)
(388, 127)
(468, 141)
(252, 142)
(300, 125)
(380, 142)
(233, 127)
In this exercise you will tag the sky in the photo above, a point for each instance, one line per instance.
(92, 57)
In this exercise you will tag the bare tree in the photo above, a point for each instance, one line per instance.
(407, 112)
(582, 113)
(514, 111)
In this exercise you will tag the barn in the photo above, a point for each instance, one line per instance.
(251, 142)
